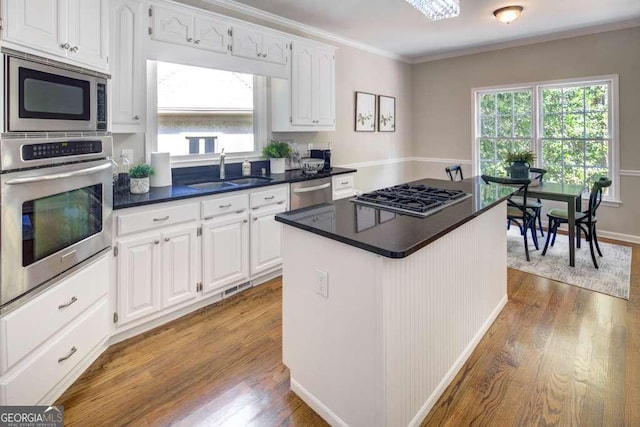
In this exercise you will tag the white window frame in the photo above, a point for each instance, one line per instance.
(613, 198)
(259, 125)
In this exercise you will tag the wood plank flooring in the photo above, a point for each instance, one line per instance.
(556, 355)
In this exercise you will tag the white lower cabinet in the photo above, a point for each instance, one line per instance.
(45, 343)
(266, 239)
(225, 252)
(146, 261)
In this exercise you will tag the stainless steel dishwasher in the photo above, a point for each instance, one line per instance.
(309, 193)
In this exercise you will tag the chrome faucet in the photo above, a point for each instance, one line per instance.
(222, 164)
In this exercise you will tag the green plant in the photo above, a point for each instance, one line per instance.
(276, 150)
(142, 170)
(525, 156)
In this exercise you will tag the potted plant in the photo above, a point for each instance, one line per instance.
(139, 178)
(520, 162)
(276, 151)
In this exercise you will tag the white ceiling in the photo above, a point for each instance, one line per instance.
(394, 26)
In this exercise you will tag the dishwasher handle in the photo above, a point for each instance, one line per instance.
(314, 188)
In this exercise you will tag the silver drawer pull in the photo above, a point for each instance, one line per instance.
(344, 182)
(73, 299)
(270, 198)
(280, 203)
(207, 218)
(161, 219)
(71, 353)
(240, 211)
(225, 206)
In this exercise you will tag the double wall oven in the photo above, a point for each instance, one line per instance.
(56, 175)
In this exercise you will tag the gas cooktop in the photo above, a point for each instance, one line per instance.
(417, 200)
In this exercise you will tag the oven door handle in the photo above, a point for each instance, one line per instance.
(31, 179)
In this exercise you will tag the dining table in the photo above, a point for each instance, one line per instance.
(571, 194)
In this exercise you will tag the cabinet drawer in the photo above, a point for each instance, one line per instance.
(24, 329)
(342, 182)
(269, 197)
(155, 218)
(224, 205)
(37, 377)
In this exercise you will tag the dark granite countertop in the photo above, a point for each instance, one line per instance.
(181, 189)
(390, 234)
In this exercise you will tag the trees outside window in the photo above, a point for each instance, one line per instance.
(569, 125)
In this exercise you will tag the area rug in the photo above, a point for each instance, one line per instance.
(611, 278)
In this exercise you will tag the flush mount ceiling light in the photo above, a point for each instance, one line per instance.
(437, 9)
(507, 14)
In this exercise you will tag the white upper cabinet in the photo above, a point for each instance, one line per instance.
(128, 77)
(259, 45)
(307, 102)
(210, 34)
(183, 27)
(74, 31)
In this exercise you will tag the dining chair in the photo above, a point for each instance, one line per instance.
(454, 172)
(585, 221)
(537, 174)
(518, 213)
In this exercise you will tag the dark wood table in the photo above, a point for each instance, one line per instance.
(569, 193)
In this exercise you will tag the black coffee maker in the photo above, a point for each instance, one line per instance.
(324, 155)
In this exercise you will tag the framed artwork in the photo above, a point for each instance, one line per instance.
(386, 113)
(365, 116)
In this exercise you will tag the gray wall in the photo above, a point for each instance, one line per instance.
(443, 105)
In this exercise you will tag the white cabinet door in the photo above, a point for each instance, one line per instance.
(225, 252)
(275, 49)
(171, 25)
(210, 34)
(138, 277)
(179, 256)
(323, 87)
(246, 43)
(302, 84)
(266, 239)
(87, 30)
(128, 78)
(39, 24)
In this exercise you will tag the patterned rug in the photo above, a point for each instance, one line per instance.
(611, 278)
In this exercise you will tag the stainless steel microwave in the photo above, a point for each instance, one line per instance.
(42, 97)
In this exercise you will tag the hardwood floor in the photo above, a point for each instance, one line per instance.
(556, 355)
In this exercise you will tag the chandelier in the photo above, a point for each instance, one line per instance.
(437, 9)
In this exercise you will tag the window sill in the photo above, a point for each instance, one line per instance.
(185, 163)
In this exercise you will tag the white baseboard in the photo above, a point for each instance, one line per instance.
(619, 236)
(315, 404)
(455, 368)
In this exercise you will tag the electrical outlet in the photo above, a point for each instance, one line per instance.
(322, 283)
(128, 153)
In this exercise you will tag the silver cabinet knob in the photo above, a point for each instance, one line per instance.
(157, 242)
(74, 49)
(255, 218)
(197, 42)
(245, 221)
(166, 239)
(264, 55)
(65, 46)
(189, 39)
(136, 117)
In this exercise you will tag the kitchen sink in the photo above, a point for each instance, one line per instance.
(213, 185)
(249, 180)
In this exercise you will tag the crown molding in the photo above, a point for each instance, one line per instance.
(621, 25)
(306, 29)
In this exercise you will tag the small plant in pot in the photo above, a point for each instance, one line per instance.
(277, 152)
(139, 178)
(520, 162)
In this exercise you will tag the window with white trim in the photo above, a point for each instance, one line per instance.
(569, 125)
(201, 111)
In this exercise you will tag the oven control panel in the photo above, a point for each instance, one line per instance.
(50, 150)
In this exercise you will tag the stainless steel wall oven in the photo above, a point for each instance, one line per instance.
(56, 199)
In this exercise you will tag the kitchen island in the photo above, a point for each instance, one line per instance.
(381, 310)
